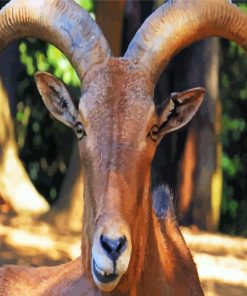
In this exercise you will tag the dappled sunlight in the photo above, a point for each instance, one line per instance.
(220, 259)
(222, 269)
(217, 244)
(23, 198)
(221, 262)
(27, 238)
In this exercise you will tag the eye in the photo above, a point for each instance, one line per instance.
(154, 132)
(79, 130)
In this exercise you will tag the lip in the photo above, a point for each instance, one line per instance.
(101, 275)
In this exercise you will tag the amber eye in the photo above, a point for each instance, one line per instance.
(154, 132)
(79, 130)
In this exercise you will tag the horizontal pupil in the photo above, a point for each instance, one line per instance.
(154, 132)
(80, 132)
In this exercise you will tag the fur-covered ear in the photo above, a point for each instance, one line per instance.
(179, 110)
(56, 98)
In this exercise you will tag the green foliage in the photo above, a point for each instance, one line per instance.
(44, 144)
(62, 67)
(86, 4)
(234, 138)
(50, 60)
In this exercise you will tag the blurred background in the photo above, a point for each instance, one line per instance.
(205, 163)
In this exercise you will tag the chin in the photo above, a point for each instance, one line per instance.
(105, 281)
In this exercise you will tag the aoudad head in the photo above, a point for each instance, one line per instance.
(116, 121)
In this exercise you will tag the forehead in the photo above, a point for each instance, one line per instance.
(117, 91)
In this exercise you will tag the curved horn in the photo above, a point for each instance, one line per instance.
(60, 22)
(178, 23)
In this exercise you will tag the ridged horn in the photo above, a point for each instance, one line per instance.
(62, 23)
(178, 23)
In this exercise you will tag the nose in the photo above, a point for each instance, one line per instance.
(113, 247)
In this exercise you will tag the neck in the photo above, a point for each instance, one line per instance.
(168, 268)
(160, 259)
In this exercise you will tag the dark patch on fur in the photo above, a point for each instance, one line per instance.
(162, 201)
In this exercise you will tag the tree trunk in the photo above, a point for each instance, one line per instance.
(16, 189)
(67, 212)
(200, 178)
(109, 16)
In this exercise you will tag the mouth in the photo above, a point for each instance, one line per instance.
(102, 276)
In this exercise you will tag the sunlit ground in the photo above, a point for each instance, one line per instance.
(221, 260)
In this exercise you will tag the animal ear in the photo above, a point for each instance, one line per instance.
(179, 110)
(56, 98)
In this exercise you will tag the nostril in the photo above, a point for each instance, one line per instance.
(106, 244)
(121, 243)
(113, 247)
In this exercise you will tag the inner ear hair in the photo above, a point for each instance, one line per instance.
(179, 109)
(161, 107)
(56, 97)
(62, 102)
(179, 100)
(57, 93)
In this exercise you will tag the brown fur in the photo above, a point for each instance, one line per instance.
(117, 110)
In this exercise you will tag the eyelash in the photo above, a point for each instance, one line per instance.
(79, 130)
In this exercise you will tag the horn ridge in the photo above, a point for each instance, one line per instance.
(177, 24)
(62, 23)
